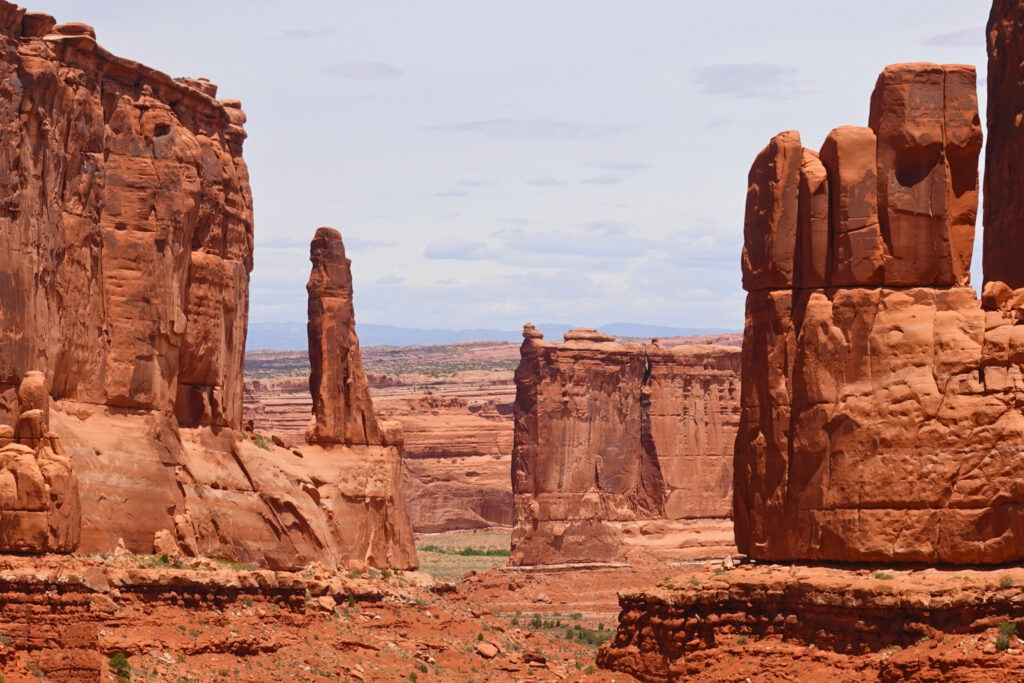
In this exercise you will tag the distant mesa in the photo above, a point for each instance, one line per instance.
(270, 336)
(616, 444)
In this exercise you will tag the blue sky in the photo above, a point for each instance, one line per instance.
(490, 163)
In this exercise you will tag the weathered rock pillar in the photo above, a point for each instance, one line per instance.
(342, 409)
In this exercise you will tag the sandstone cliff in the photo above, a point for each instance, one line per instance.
(881, 414)
(1004, 183)
(125, 251)
(127, 220)
(609, 434)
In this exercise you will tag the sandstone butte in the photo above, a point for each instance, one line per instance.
(616, 442)
(881, 407)
(126, 241)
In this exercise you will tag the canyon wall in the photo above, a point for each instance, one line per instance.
(125, 251)
(611, 434)
(1004, 179)
(127, 223)
(881, 415)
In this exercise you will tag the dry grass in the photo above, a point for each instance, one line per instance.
(448, 566)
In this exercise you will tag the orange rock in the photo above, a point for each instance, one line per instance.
(126, 239)
(40, 509)
(929, 139)
(881, 424)
(773, 197)
(487, 650)
(610, 434)
(858, 252)
(812, 264)
(143, 175)
(342, 409)
(164, 543)
(1004, 184)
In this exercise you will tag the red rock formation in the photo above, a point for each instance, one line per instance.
(342, 410)
(457, 434)
(1004, 182)
(126, 216)
(817, 624)
(610, 434)
(40, 510)
(343, 420)
(881, 423)
(125, 251)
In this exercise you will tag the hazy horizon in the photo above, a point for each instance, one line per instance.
(490, 164)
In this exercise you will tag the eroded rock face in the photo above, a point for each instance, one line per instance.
(883, 423)
(342, 410)
(40, 510)
(127, 227)
(608, 434)
(693, 627)
(1004, 183)
(125, 251)
(368, 510)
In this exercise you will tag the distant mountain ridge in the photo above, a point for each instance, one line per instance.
(292, 336)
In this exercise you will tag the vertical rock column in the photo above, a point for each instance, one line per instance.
(929, 137)
(342, 409)
(877, 422)
(1004, 156)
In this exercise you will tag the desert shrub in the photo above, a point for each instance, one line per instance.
(120, 668)
(883, 576)
(467, 552)
(1007, 630)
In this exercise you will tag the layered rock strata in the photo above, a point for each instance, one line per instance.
(455, 407)
(610, 434)
(125, 251)
(818, 624)
(881, 415)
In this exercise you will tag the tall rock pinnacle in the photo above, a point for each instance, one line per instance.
(342, 409)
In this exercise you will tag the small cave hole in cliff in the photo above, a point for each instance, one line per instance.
(913, 165)
(161, 130)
